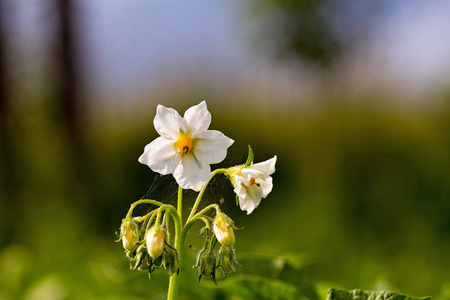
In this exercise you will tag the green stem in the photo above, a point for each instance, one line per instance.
(203, 211)
(180, 203)
(202, 191)
(149, 224)
(141, 219)
(158, 216)
(199, 215)
(142, 201)
(174, 282)
(181, 232)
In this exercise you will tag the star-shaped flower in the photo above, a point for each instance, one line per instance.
(186, 147)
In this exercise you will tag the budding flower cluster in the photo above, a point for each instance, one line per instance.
(148, 250)
(207, 260)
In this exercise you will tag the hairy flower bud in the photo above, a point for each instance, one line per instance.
(223, 229)
(139, 258)
(145, 264)
(227, 259)
(207, 265)
(170, 261)
(130, 234)
(155, 242)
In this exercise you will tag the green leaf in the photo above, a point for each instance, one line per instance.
(265, 277)
(258, 287)
(250, 157)
(335, 294)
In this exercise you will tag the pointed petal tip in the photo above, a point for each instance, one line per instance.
(142, 159)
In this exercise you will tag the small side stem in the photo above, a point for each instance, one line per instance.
(199, 215)
(203, 211)
(202, 191)
(142, 201)
(140, 219)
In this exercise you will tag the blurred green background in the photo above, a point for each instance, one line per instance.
(352, 97)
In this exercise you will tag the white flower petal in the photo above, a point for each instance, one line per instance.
(240, 191)
(168, 122)
(266, 186)
(267, 167)
(248, 204)
(197, 118)
(249, 197)
(161, 156)
(255, 193)
(242, 180)
(192, 173)
(211, 146)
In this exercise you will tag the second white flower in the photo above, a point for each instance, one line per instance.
(253, 183)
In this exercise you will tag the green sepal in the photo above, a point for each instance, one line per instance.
(207, 265)
(236, 228)
(140, 254)
(249, 158)
(170, 260)
(118, 236)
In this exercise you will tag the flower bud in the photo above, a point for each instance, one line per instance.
(227, 259)
(155, 242)
(139, 258)
(130, 234)
(207, 265)
(223, 230)
(145, 264)
(170, 261)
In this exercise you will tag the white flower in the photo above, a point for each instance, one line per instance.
(253, 183)
(186, 147)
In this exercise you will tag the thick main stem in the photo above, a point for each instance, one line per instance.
(181, 231)
(174, 282)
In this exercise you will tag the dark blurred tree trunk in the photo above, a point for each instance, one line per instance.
(3, 100)
(69, 98)
(7, 179)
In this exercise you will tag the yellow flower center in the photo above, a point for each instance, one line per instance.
(184, 143)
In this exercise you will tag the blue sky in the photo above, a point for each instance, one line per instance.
(132, 45)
